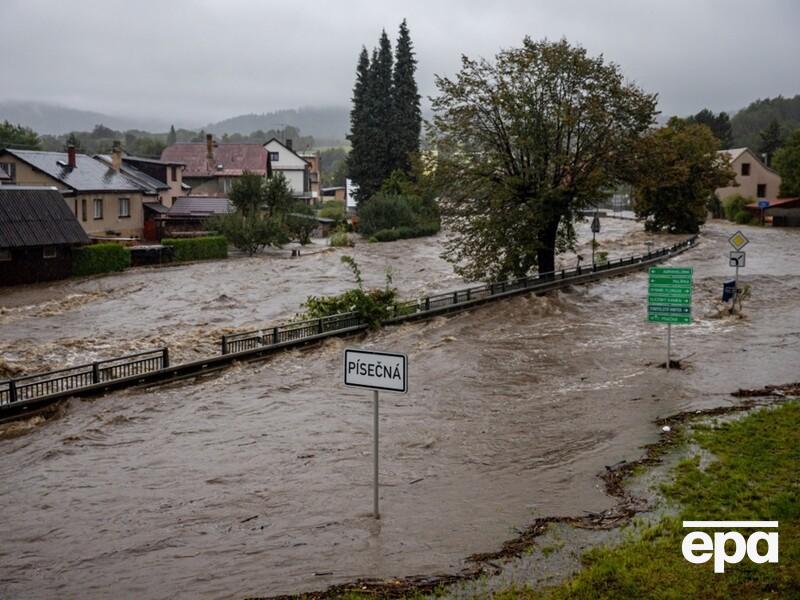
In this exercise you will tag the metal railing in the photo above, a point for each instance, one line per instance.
(30, 387)
(155, 363)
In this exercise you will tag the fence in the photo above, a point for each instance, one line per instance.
(154, 365)
(30, 387)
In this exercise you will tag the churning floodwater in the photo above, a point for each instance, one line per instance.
(258, 480)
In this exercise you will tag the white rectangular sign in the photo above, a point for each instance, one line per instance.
(736, 259)
(376, 370)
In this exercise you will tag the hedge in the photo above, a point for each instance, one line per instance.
(199, 248)
(401, 233)
(100, 258)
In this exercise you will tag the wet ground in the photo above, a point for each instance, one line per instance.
(259, 481)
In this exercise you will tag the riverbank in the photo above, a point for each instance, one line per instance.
(734, 463)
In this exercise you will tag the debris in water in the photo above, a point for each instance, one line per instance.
(666, 429)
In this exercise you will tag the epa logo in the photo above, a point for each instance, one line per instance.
(698, 546)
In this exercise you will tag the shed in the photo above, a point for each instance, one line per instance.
(37, 234)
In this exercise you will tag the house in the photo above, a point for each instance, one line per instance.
(188, 215)
(295, 168)
(38, 232)
(165, 177)
(781, 212)
(107, 204)
(754, 179)
(338, 193)
(4, 177)
(210, 169)
(314, 174)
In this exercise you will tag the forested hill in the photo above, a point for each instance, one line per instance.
(328, 125)
(749, 122)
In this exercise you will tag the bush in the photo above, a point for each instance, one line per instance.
(402, 233)
(734, 205)
(385, 212)
(743, 217)
(199, 248)
(100, 258)
(339, 237)
(332, 210)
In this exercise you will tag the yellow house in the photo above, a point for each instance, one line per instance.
(754, 179)
(107, 204)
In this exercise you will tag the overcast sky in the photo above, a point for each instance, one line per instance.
(196, 61)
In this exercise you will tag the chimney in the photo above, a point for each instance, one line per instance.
(289, 143)
(71, 161)
(209, 146)
(116, 156)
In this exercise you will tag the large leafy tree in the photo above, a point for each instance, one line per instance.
(523, 143)
(720, 125)
(406, 116)
(17, 136)
(678, 169)
(787, 163)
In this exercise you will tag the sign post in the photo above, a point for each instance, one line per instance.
(595, 231)
(376, 371)
(763, 204)
(669, 299)
(738, 241)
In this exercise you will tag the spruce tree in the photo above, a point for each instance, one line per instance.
(358, 159)
(172, 137)
(406, 118)
(771, 139)
(380, 117)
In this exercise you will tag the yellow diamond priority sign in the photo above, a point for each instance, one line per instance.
(738, 240)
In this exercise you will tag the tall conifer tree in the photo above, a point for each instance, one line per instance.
(407, 119)
(358, 159)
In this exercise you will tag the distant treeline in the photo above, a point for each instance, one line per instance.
(748, 123)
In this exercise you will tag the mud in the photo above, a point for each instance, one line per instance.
(513, 410)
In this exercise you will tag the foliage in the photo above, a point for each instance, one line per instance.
(743, 217)
(385, 119)
(734, 205)
(339, 237)
(250, 233)
(301, 222)
(678, 172)
(749, 122)
(17, 136)
(333, 164)
(401, 233)
(720, 125)
(278, 198)
(172, 136)
(771, 140)
(332, 209)
(385, 212)
(787, 163)
(524, 143)
(199, 248)
(373, 305)
(753, 475)
(100, 258)
(248, 194)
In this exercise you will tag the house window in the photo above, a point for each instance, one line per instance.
(174, 171)
(124, 208)
(5, 255)
(745, 169)
(83, 209)
(10, 169)
(761, 190)
(274, 156)
(49, 252)
(98, 208)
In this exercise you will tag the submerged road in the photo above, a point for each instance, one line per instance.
(258, 481)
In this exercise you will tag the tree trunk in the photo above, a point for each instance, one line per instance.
(546, 255)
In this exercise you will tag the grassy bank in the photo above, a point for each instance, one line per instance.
(754, 474)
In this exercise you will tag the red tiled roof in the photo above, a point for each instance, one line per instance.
(777, 203)
(230, 160)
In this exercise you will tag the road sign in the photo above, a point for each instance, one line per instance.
(763, 204)
(376, 370)
(738, 240)
(669, 295)
(736, 259)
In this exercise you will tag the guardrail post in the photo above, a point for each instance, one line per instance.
(165, 358)
(563, 274)
(12, 390)
(274, 335)
(319, 325)
(427, 303)
(95, 372)
(224, 344)
(468, 294)
(455, 297)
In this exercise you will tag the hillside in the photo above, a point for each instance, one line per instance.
(328, 125)
(749, 122)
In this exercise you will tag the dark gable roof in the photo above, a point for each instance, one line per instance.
(199, 206)
(230, 160)
(89, 174)
(149, 185)
(37, 216)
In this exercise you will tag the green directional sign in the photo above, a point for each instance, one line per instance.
(669, 296)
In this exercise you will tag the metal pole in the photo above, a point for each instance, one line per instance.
(735, 288)
(593, 245)
(375, 453)
(669, 343)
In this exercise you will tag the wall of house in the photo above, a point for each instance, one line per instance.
(175, 190)
(28, 265)
(748, 184)
(204, 186)
(131, 226)
(292, 166)
(27, 175)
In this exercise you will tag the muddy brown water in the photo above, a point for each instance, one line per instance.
(258, 481)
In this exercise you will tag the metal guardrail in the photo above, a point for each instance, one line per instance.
(21, 393)
(30, 387)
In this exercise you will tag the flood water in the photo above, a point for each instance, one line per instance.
(258, 481)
